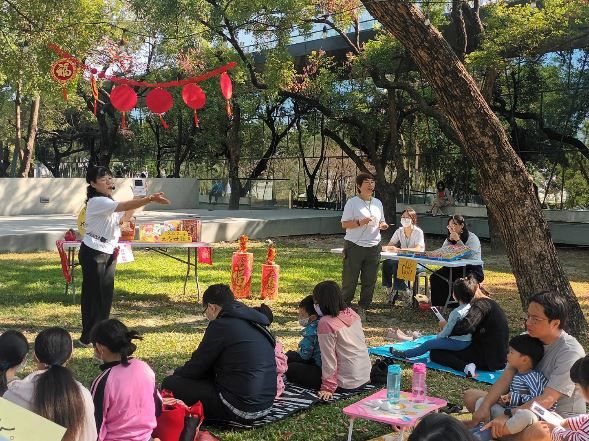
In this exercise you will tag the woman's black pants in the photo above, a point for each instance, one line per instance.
(98, 281)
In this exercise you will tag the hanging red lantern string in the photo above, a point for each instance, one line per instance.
(227, 91)
(159, 101)
(195, 98)
(124, 99)
(94, 89)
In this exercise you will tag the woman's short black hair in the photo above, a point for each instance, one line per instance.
(440, 427)
(307, 304)
(554, 306)
(92, 175)
(328, 296)
(218, 294)
(465, 288)
(361, 178)
(580, 372)
(113, 334)
(459, 219)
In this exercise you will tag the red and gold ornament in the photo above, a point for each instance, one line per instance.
(63, 70)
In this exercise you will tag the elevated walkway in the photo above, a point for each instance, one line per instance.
(568, 227)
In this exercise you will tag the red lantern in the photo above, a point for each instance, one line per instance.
(123, 98)
(242, 265)
(159, 101)
(195, 98)
(227, 91)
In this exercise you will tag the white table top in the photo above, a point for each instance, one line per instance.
(422, 260)
(137, 244)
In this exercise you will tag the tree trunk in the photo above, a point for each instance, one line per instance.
(505, 185)
(233, 155)
(18, 129)
(387, 193)
(29, 150)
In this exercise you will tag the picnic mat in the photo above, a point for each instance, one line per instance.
(295, 399)
(383, 351)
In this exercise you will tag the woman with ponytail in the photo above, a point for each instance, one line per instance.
(125, 395)
(13, 353)
(52, 392)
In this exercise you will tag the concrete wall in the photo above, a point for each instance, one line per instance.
(42, 196)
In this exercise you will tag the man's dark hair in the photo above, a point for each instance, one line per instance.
(328, 296)
(580, 372)
(218, 294)
(554, 306)
(265, 309)
(530, 346)
(307, 305)
(465, 288)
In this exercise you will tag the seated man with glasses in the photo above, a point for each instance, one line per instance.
(545, 320)
(233, 370)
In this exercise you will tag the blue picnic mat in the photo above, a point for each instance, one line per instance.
(383, 351)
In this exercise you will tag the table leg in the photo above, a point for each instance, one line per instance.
(350, 429)
(72, 264)
(196, 274)
(187, 269)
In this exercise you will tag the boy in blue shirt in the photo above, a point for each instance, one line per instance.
(304, 365)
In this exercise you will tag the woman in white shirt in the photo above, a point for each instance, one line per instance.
(98, 252)
(458, 234)
(363, 219)
(52, 391)
(409, 237)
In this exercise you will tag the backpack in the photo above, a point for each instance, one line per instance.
(379, 370)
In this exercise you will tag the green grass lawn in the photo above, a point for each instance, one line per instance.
(149, 298)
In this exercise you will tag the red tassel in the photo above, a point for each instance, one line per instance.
(94, 92)
(123, 121)
(229, 111)
(64, 91)
(195, 119)
(162, 121)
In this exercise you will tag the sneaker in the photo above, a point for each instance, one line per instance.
(388, 294)
(80, 344)
(408, 296)
(362, 314)
(470, 370)
(422, 298)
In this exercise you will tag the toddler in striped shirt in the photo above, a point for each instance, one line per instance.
(524, 354)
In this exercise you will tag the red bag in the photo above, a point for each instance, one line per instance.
(178, 422)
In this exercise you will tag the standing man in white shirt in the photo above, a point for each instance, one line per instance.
(363, 219)
(97, 253)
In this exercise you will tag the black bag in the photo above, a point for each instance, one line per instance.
(378, 373)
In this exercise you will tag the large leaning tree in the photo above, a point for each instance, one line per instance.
(505, 184)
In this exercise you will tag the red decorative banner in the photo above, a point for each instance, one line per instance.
(205, 255)
(242, 265)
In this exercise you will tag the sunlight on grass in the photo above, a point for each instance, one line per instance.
(149, 297)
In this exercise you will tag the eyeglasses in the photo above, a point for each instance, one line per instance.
(533, 319)
(204, 311)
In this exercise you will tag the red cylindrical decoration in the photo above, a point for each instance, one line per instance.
(123, 98)
(242, 264)
(195, 98)
(159, 101)
(227, 91)
(270, 275)
(94, 91)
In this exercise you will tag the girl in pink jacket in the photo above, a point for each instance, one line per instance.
(345, 364)
(279, 355)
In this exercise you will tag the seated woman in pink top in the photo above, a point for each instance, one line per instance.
(126, 400)
(345, 364)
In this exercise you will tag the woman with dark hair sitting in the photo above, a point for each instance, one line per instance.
(52, 392)
(125, 395)
(458, 234)
(97, 252)
(345, 364)
(14, 348)
(443, 199)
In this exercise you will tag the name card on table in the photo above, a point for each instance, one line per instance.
(20, 424)
(175, 236)
(125, 254)
(407, 269)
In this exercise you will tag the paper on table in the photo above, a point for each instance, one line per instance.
(20, 424)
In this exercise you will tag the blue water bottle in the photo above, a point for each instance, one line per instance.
(393, 383)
